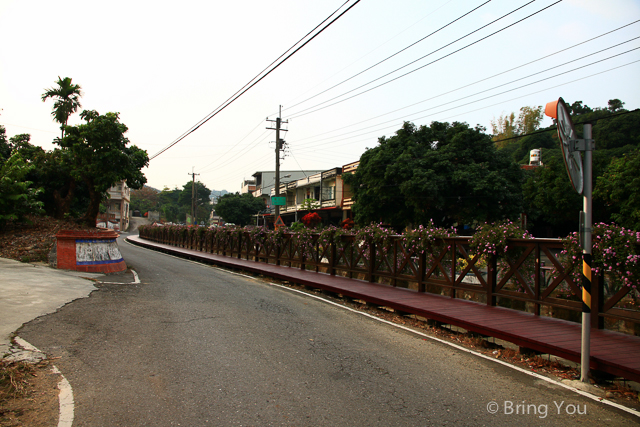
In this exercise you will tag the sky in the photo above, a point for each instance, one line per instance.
(165, 66)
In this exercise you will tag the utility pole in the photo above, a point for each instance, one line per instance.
(193, 195)
(279, 142)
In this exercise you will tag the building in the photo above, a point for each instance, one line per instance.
(248, 186)
(117, 215)
(265, 181)
(324, 193)
(347, 195)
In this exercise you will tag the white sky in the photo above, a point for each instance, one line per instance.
(165, 65)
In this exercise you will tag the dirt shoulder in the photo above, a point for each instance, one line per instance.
(32, 242)
(28, 394)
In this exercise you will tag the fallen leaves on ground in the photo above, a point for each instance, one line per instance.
(32, 242)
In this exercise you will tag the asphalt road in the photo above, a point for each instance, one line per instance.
(194, 346)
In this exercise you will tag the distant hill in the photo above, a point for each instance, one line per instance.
(215, 194)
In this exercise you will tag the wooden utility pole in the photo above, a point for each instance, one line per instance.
(279, 122)
(193, 195)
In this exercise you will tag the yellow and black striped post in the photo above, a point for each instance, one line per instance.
(586, 283)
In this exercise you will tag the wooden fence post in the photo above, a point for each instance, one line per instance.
(492, 277)
(536, 284)
(372, 261)
(452, 292)
(597, 301)
(332, 258)
(422, 270)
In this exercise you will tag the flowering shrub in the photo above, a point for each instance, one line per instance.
(304, 242)
(347, 224)
(374, 234)
(258, 235)
(426, 239)
(491, 239)
(277, 237)
(332, 234)
(614, 252)
(311, 220)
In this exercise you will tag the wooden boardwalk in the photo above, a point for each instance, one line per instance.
(611, 352)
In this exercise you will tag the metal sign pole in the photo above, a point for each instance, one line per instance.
(581, 175)
(586, 254)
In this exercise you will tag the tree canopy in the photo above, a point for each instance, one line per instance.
(17, 197)
(238, 208)
(549, 198)
(98, 154)
(66, 97)
(619, 189)
(448, 173)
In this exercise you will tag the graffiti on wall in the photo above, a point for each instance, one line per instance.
(97, 251)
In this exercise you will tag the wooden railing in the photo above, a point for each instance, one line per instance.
(531, 277)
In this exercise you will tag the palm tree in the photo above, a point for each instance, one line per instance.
(67, 100)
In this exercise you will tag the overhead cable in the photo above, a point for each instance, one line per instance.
(395, 121)
(510, 82)
(256, 80)
(397, 53)
(303, 113)
(484, 79)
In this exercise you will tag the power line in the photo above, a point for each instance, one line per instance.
(482, 80)
(256, 142)
(303, 113)
(249, 85)
(498, 86)
(397, 53)
(234, 146)
(472, 102)
(368, 53)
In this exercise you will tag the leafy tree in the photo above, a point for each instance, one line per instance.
(98, 154)
(507, 127)
(615, 105)
(22, 140)
(615, 132)
(450, 173)
(577, 108)
(66, 97)
(168, 205)
(203, 205)
(59, 191)
(144, 199)
(238, 208)
(549, 198)
(309, 205)
(17, 197)
(5, 148)
(520, 152)
(619, 188)
(202, 194)
(529, 119)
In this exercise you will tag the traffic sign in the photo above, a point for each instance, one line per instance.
(279, 223)
(568, 140)
(278, 201)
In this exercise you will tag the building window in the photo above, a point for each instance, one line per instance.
(328, 193)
